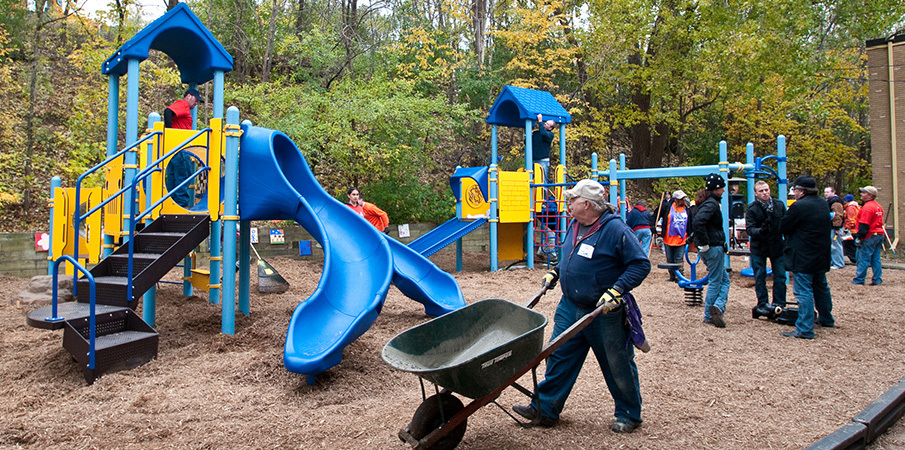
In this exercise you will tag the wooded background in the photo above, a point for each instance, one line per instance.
(392, 95)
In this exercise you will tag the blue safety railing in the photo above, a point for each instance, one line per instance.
(131, 187)
(92, 318)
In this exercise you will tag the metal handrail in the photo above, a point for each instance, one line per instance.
(151, 167)
(78, 191)
(92, 317)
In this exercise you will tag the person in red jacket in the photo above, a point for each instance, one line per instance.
(869, 239)
(374, 215)
(179, 115)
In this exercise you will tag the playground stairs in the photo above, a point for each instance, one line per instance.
(123, 339)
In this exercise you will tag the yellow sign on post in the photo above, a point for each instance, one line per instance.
(473, 201)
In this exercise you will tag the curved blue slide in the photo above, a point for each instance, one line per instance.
(275, 182)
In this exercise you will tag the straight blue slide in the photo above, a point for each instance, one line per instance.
(275, 182)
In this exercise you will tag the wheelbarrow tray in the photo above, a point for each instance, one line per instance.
(471, 351)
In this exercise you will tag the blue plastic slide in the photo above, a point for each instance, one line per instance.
(275, 182)
(434, 240)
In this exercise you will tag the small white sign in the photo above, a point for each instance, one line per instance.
(254, 235)
(404, 230)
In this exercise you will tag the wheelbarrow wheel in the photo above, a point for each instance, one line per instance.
(428, 418)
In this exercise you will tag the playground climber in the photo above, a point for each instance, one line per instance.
(837, 211)
(806, 227)
(638, 219)
(762, 220)
(541, 139)
(374, 215)
(852, 208)
(869, 238)
(707, 225)
(601, 261)
(179, 115)
(675, 220)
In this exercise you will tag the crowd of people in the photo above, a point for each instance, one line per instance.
(604, 258)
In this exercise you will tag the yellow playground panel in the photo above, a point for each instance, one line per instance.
(473, 202)
(64, 233)
(514, 202)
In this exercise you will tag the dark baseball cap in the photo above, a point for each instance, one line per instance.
(194, 93)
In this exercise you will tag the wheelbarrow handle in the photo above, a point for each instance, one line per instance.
(536, 298)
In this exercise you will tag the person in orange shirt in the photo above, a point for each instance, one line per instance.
(369, 211)
(675, 220)
(852, 209)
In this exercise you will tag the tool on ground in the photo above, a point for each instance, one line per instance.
(269, 280)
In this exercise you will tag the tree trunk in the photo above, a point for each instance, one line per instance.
(31, 122)
(172, 4)
(301, 23)
(265, 75)
(479, 12)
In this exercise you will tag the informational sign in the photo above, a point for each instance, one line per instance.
(404, 230)
(277, 237)
(254, 235)
(304, 248)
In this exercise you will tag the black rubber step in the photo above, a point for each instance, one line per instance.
(122, 341)
(41, 317)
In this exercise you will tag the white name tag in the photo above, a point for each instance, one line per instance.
(586, 250)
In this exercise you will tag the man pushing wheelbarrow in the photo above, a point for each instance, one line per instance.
(480, 350)
(602, 261)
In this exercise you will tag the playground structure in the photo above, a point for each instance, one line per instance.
(242, 173)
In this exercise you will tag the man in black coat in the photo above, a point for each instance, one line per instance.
(707, 224)
(762, 221)
(806, 227)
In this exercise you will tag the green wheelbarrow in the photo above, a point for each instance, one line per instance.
(477, 352)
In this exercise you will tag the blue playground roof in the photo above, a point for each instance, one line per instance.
(514, 105)
(181, 35)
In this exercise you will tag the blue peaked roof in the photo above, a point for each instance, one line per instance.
(181, 35)
(514, 105)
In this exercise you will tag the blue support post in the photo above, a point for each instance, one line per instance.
(529, 167)
(623, 207)
(724, 172)
(132, 80)
(218, 94)
(112, 137)
(783, 182)
(749, 160)
(214, 280)
(594, 174)
(149, 300)
(231, 211)
(244, 266)
(459, 241)
(493, 176)
(55, 182)
(614, 181)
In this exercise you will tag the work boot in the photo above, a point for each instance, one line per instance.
(530, 413)
(762, 310)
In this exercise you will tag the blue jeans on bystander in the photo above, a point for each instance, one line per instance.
(644, 236)
(812, 291)
(869, 255)
(718, 283)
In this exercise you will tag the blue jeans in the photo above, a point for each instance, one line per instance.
(759, 266)
(811, 291)
(644, 236)
(837, 256)
(718, 283)
(615, 355)
(675, 255)
(869, 255)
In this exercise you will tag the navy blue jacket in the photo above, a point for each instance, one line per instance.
(637, 218)
(540, 142)
(617, 260)
(807, 227)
